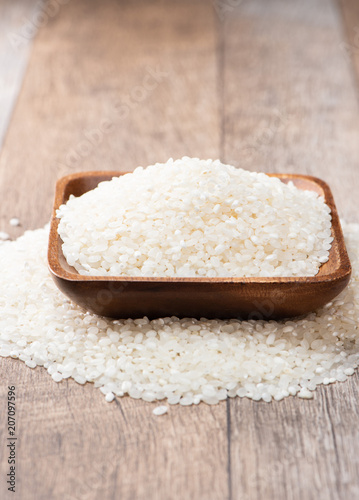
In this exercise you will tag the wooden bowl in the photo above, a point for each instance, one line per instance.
(247, 298)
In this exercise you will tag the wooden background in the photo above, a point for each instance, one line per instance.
(269, 85)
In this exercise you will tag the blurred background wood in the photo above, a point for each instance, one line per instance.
(290, 100)
(116, 84)
(15, 45)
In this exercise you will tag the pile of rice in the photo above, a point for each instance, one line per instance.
(185, 361)
(193, 218)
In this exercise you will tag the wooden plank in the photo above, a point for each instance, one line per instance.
(124, 90)
(151, 72)
(16, 32)
(297, 449)
(289, 99)
(290, 106)
(349, 44)
(118, 450)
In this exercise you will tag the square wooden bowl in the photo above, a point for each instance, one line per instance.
(247, 298)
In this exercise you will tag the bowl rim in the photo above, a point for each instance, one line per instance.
(342, 271)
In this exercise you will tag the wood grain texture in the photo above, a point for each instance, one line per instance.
(297, 449)
(349, 43)
(15, 46)
(126, 86)
(72, 445)
(115, 84)
(289, 99)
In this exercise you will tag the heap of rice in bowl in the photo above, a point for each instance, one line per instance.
(196, 218)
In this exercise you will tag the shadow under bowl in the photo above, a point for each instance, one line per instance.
(246, 298)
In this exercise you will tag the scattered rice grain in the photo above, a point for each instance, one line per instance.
(160, 410)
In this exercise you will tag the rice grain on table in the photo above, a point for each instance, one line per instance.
(182, 361)
(196, 218)
(14, 221)
(4, 236)
(160, 410)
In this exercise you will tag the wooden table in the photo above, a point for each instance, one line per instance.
(267, 85)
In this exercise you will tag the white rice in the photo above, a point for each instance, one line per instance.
(14, 222)
(4, 236)
(160, 410)
(193, 218)
(184, 361)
